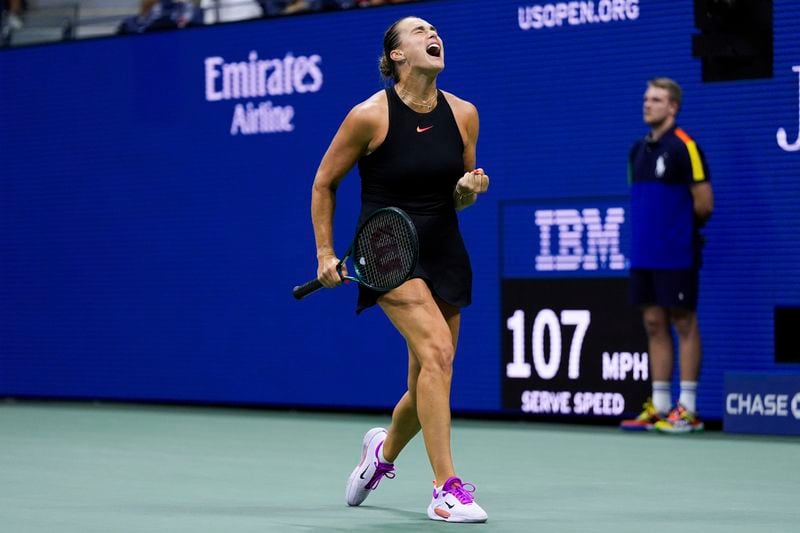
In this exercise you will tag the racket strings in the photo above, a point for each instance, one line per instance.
(386, 250)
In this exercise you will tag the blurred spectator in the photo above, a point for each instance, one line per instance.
(289, 7)
(367, 3)
(12, 14)
(152, 9)
(157, 15)
(298, 6)
(232, 10)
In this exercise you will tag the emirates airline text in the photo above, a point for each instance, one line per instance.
(258, 78)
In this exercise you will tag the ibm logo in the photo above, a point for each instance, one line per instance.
(581, 240)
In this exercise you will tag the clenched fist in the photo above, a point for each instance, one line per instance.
(475, 182)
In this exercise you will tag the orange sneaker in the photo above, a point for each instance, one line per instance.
(680, 420)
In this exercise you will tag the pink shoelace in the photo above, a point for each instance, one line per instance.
(462, 491)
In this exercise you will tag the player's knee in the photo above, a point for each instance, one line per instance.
(684, 323)
(439, 357)
(655, 325)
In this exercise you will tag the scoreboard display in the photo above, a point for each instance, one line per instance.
(572, 343)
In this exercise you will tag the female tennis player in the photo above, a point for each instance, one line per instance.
(415, 149)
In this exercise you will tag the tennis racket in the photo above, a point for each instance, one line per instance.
(384, 253)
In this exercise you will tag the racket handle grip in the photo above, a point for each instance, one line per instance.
(301, 291)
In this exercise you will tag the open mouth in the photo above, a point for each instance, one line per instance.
(434, 50)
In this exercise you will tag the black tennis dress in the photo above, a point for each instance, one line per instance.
(416, 169)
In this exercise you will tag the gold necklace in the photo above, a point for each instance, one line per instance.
(406, 97)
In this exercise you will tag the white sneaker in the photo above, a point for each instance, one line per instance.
(369, 471)
(453, 502)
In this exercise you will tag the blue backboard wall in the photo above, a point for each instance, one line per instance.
(153, 219)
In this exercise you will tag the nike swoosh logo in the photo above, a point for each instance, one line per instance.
(423, 130)
(448, 505)
(364, 472)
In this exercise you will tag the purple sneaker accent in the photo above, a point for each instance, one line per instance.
(454, 502)
(462, 491)
(381, 470)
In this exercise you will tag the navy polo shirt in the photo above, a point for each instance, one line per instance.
(661, 174)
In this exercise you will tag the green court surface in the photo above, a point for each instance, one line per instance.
(88, 468)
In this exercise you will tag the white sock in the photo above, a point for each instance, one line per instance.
(662, 396)
(688, 397)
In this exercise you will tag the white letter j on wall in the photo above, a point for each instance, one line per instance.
(781, 135)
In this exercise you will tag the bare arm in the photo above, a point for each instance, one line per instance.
(474, 181)
(703, 198)
(348, 145)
